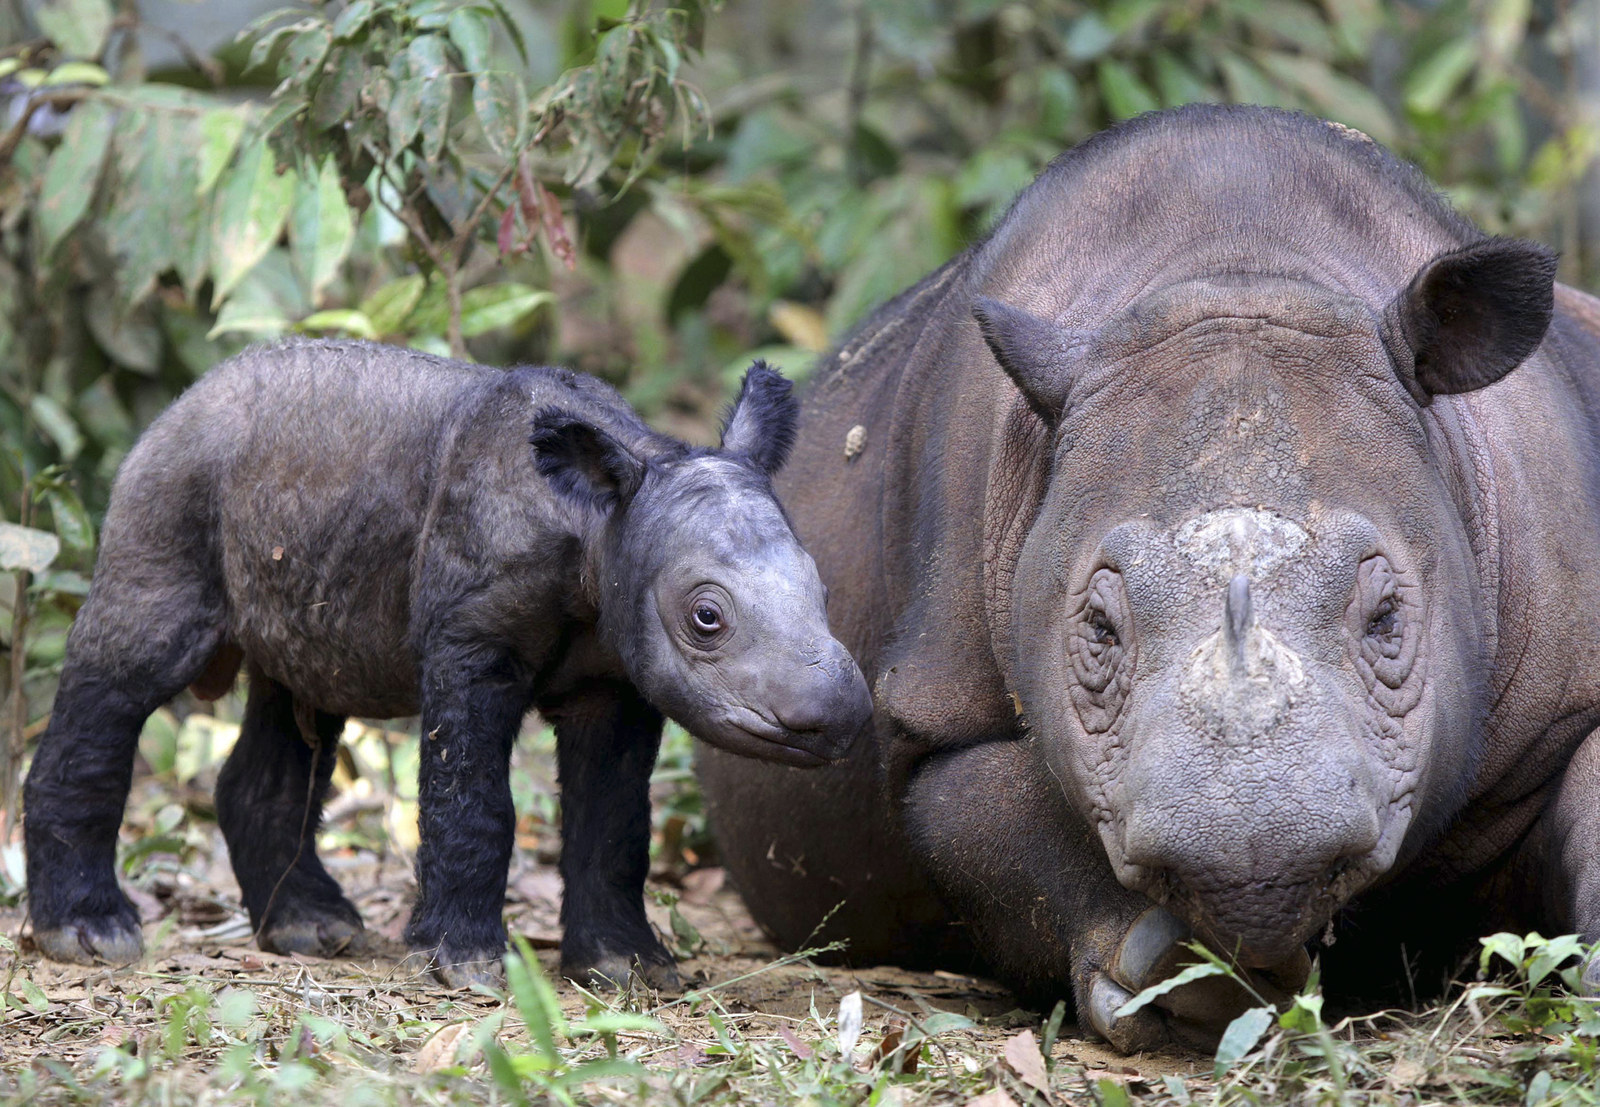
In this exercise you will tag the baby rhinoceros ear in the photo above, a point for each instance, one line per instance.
(583, 463)
(761, 424)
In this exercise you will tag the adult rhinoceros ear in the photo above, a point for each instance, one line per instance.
(762, 422)
(1032, 351)
(583, 463)
(1471, 316)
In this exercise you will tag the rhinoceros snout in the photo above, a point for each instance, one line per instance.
(831, 708)
(1256, 895)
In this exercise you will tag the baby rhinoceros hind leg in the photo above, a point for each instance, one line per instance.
(269, 805)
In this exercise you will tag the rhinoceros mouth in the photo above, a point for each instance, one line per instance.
(1260, 923)
(751, 734)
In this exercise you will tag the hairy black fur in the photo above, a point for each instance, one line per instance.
(762, 423)
(368, 528)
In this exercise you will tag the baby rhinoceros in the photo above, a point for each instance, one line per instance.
(373, 533)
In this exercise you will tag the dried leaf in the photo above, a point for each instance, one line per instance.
(893, 1037)
(1022, 1054)
(801, 1050)
(701, 886)
(439, 1051)
(995, 1097)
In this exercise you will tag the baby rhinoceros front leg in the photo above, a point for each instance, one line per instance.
(606, 744)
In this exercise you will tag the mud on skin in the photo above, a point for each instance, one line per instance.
(1222, 542)
(377, 532)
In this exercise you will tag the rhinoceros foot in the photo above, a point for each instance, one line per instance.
(1591, 975)
(107, 940)
(1195, 1015)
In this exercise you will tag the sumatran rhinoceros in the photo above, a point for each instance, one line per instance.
(374, 532)
(1221, 538)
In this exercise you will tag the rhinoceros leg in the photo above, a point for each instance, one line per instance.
(1573, 838)
(473, 700)
(143, 635)
(996, 836)
(269, 809)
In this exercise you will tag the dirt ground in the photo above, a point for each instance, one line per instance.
(197, 934)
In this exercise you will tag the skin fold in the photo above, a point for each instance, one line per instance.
(375, 532)
(1222, 545)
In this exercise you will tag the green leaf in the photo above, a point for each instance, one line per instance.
(321, 229)
(1433, 82)
(431, 68)
(71, 520)
(1297, 24)
(78, 73)
(1551, 954)
(1241, 1037)
(1504, 27)
(253, 204)
(501, 104)
(339, 319)
(1355, 24)
(338, 89)
(79, 27)
(220, 131)
(491, 307)
(73, 172)
(302, 61)
(1088, 38)
(472, 31)
(26, 549)
(352, 19)
(1108, 1093)
(536, 1001)
(1510, 947)
(1333, 94)
(1246, 84)
(152, 218)
(619, 1022)
(1161, 988)
(405, 105)
(390, 306)
(1304, 1016)
(54, 421)
(943, 1022)
(1178, 83)
(1125, 94)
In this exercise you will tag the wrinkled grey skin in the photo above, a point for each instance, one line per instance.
(1224, 552)
(374, 533)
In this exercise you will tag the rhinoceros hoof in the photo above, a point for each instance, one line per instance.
(621, 971)
(456, 969)
(1591, 975)
(100, 941)
(319, 932)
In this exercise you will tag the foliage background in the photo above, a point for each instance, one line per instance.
(654, 191)
(649, 192)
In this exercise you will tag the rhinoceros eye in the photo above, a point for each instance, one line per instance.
(1384, 620)
(1098, 643)
(707, 618)
(1102, 630)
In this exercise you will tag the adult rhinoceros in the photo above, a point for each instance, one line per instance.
(1221, 537)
